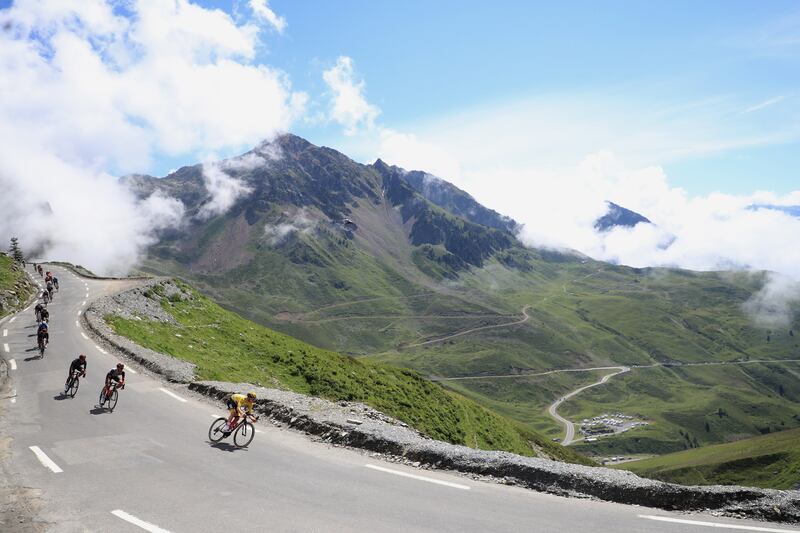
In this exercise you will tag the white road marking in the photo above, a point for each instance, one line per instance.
(172, 394)
(147, 526)
(79, 312)
(132, 371)
(13, 318)
(13, 364)
(84, 302)
(419, 478)
(5, 333)
(5, 347)
(99, 349)
(716, 524)
(84, 336)
(77, 325)
(46, 461)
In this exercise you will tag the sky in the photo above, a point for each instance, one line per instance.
(686, 112)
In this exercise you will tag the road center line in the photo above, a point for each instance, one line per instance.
(46, 461)
(77, 325)
(83, 303)
(13, 364)
(5, 347)
(13, 318)
(165, 391)
(84, 336)
(147, 526)
(419, 478)
(99, 349)
(5, 333)
(716, 524)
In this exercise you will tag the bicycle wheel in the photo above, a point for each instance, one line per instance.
(215, 433)
(244, 434)
(41, 348)
(112, 401)
(73, 387)
(102, 397)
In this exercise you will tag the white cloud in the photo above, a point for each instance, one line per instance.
(223, 190)
(349, 106)
(262, 9)
(299, 221)
(88, 89)
(765, 103)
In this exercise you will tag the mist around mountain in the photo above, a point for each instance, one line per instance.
(398, 266)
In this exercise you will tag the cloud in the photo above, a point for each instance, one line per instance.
(298, 222)
(772, 306)
(765, 103)
(223, 190)
(89, 89)
(349, 106)
(261, 8)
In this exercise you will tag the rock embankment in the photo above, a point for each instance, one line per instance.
(359, 426)
(133, 304)
(15, 295)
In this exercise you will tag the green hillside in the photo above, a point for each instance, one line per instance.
(15, 287)
(379, 263)
(227, 347)
(769, 461)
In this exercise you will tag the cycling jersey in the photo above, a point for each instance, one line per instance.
(77, 365)
(42, 328)
(45, 314)
(116, 375)
(238, 401)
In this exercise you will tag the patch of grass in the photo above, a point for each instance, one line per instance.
(11, 277)
(228, 347)
(769, 461)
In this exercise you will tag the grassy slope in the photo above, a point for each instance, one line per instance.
(230, 348)
(10, 276)
(771, 461)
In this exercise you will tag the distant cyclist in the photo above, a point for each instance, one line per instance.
(45, 296)
(239, 405)
(44, 315)
(76, 368)
(50, 289)
(38, 311)
(116, 375)
(42, 334)
(55, 282)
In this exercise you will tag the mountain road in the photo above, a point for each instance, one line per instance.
(149, 466)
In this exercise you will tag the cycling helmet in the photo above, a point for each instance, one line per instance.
(120, 366)
(251, 395)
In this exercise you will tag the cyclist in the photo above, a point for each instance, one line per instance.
(55, 283)
(44, 315)
(45, 296)
(38, 311)
(50, 289)
(76, 368)
(117, 375)
(239, 405)
(42, 335)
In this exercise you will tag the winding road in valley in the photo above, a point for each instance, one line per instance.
(68, 466)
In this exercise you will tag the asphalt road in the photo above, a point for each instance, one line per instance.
(149, 467)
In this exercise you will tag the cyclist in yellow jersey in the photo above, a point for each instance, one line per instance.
(240, 405)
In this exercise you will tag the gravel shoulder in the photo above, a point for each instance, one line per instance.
(359, 426)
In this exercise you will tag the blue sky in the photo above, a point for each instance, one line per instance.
(423, 60)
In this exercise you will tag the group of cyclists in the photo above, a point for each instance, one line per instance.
(240, 406)
(115, 378)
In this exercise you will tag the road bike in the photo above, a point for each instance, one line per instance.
(42, 345)
(243, 431)
(71, 386)
(111, 397)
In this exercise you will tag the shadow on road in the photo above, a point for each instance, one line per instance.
(33, 357)
(61, 396)
(99, 411)
(225, 447)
